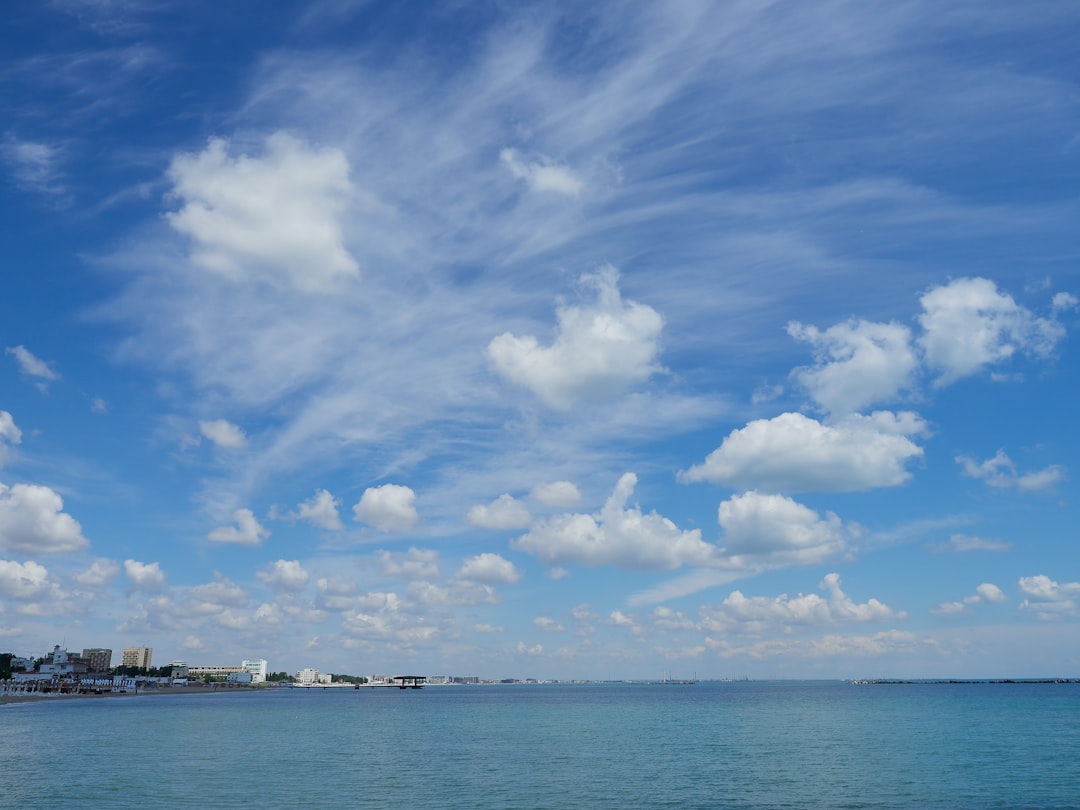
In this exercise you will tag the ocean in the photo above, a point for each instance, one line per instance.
(704, 745)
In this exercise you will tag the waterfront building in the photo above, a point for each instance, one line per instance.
(216, 673)
(60, 663)
(257, 668)
(100, 659)
(307, 676)
(179, 669)
(137, 657)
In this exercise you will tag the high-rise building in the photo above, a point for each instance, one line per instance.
(100, 659)
(137, 657)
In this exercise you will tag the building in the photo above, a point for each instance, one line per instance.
(137, 657)
(257, 668)
(100, 659)
(179, 669)
(59, 663)
(215, 673)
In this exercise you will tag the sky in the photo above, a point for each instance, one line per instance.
(552, 340)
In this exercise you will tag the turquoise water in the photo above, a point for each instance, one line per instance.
(737, 745)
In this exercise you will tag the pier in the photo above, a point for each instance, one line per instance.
(409, 681)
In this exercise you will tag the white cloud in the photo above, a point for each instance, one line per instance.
(968, 324)
(214, 597)
(144, 576)
(34, 166)
(223, 433)
(505, 512)
(32, 521)
(1000, 472)
(9, 434)
(794, 453)
(523, 649)
(458, 592)
(490, 568)
(286, 575)
(759, 613)
(388, 508)
(30, 365)
(548, 624)
(989, 592)
(541, 173)
(99, 405)
(985, 593)
(618, 536)
(27, 581)
(599, 351)
(1049, 599)
(246, 532)
(776, 529)
(1063, 301)
(488, 628)
(887, 642)
(856, 364)
(322, 511)
(414, 564)
(557, 573)
(274, 217)
(101, 572)
(561, 494)
(965, 542)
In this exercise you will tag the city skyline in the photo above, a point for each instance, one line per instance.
(728, 338)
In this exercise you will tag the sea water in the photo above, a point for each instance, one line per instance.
(705, 745)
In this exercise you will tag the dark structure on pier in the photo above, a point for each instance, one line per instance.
(409, 681)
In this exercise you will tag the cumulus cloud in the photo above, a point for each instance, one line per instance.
(599, 351)
(215, 597)
(541, 173)
(1048, 599)
(1000, 472)
(966, 542)
(25, 582)
(100, 573)
(322, 511)
(986, 593)
(275, 217)
(856, 364)
(560, 494)
(9, 434)
(247, 531)
(759, 613)
(32, 521)
(505, 512)
(388, 508)
(969, 324)
(617, 535)
(490, 568)
(887, 642)
(1064, 301)
(774, 529)
(30, 365)
(223, 433)
(523, 649)
(415, 563)
(794, 453)
(285, 575)
(144, 576)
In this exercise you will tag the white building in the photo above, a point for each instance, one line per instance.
(257, 668)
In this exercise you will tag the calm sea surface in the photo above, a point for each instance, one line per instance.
(738, 745)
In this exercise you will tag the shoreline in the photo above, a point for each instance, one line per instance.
(39, 697)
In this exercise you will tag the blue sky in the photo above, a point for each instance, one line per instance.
(734, 339)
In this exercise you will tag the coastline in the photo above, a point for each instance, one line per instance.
(7, 699)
